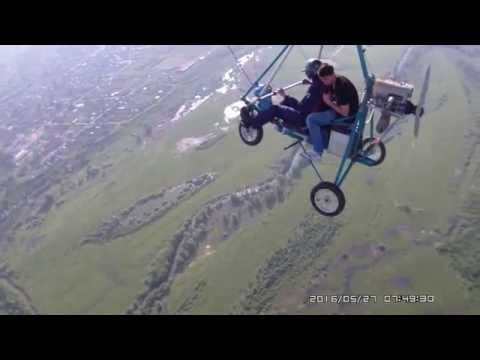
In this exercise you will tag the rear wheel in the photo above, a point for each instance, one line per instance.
(328, 199)
(374, 150)
(250, 135)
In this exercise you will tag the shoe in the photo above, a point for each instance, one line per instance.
(278, 125)
(311, 155)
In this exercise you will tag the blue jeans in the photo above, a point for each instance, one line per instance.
(317, 126)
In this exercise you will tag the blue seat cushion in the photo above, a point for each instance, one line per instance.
(344, 125)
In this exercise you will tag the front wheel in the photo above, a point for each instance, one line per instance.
(250, 135)
(374, 150)
(328, 199)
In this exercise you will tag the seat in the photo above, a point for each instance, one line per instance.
(344, 125)
(339, 135)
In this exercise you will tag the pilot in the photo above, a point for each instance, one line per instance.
(290, 110)
(341, 98)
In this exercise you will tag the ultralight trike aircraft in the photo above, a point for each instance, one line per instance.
(389, 97)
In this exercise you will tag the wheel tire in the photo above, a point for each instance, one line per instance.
(368, 145)
(326, 191)
(252, 139)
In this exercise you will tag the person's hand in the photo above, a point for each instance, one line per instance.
(306, 82)
(327, 98)
(280, 92)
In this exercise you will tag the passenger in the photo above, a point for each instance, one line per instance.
(291, 111)
(341, 97)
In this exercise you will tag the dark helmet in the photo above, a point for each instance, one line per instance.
(312, 67)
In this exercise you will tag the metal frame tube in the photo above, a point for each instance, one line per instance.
(256, 82)
(311, 162)
(363, 64)
(359, 126)
(275, 72)
(285, 88)
(371, 123)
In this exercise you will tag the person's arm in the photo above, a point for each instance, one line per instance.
(290, 101)
(343, 110)
(311, 99)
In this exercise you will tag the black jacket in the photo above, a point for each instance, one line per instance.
(311, 102)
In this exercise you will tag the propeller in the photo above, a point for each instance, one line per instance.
(419, 112)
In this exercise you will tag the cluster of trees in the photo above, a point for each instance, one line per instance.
(9, 303)
(270, 199)
(267, 197)
(182, 249)
(236, 200)
(195, 230)
(130, 219)
(187, 305)
(309, 242)
(9, 306)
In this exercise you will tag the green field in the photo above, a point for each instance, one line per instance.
(63, 278)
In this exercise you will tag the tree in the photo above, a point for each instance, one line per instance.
(177, 238)
(226, 221)
(282, 181)
(236, 200)
(209, 210)
(258, 205)
(270, 200)
(235, 221)
(201, 236)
